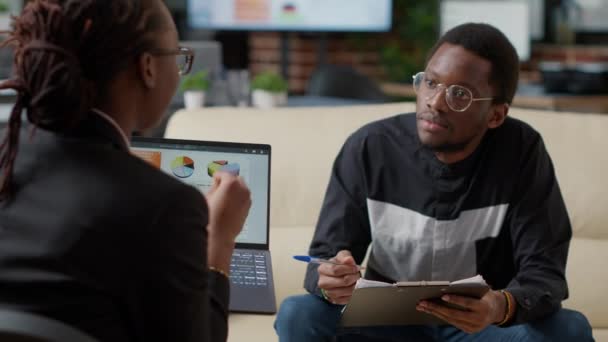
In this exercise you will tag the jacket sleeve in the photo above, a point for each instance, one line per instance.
(540, 232)
(343, 222)
(174, 297)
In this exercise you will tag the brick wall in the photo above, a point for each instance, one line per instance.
(265, 54)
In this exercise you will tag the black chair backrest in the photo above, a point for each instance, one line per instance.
(27, 327)
(345, 82)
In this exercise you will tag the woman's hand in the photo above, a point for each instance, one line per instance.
(229, 200)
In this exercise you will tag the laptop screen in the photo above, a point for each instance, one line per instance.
(195, 162)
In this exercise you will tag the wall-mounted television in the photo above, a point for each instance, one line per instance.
(291, 15)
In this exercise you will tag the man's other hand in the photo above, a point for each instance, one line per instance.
(479, 313)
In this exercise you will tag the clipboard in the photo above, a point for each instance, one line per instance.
(395, 304)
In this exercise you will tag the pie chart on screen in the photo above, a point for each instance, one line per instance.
(223, 165)
(182, 167)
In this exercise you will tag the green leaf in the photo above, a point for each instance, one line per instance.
(196, 81)
(269, 81)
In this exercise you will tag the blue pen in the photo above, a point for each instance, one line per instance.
(314, 260)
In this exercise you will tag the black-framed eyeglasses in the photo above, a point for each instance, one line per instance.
(184, 56)
(457, 97)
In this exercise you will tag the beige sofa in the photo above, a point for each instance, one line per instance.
(305, 142)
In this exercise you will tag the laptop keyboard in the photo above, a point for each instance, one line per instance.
(248, 268)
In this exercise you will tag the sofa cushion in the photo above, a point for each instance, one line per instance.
(588, 279)
(251, 328)
(285, 242)
(577, 144)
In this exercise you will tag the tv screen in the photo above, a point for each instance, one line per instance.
(291, 15)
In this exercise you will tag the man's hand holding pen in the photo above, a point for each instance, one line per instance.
(337, 282)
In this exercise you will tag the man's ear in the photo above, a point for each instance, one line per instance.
(147, 70)
(498, 115)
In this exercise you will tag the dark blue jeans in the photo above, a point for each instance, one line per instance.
(310, 318)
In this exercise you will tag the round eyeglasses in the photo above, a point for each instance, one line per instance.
(184, 57)
(457, 97)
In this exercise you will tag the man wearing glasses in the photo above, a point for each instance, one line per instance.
(454, 190)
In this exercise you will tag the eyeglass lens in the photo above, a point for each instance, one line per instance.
(457, 97)
(182, 63)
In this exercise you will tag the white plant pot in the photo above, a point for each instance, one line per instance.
(194, 99)
(266, 99)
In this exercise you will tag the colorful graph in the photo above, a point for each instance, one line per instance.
(224, 166)
(152, 157)
(182, 167)
(252, 10)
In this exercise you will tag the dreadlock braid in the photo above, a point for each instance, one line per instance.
(65, 54)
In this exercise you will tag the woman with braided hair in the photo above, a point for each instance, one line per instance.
(89, 234)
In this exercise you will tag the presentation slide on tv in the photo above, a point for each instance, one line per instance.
(312, 15)
(197, 168)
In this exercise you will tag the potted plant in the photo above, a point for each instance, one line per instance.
(269, 90)
(418, 28)
(194, 87)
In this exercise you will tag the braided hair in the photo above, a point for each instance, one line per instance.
(66, 52)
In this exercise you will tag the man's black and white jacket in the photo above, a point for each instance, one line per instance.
(498, 213)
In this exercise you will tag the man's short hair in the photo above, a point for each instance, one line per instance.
(489, 43)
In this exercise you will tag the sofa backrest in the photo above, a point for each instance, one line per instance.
(578, 146)
(305, 142)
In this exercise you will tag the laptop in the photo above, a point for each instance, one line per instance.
(194, 163)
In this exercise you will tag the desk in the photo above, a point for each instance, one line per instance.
(528, 96)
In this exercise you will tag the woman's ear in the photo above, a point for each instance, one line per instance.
(498, 115)
(147, 70)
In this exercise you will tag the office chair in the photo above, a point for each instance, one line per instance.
(344, 82)
(17, 326)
